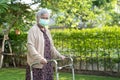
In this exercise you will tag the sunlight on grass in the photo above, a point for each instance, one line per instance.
(19, 74)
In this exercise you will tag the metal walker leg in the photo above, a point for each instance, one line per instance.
(56, 68)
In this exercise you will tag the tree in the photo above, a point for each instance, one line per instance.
(71, 12)
(13, 15)
(3, 6)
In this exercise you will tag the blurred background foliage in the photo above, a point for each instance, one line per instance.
(16, 14)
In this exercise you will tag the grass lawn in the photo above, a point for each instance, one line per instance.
(19, 74)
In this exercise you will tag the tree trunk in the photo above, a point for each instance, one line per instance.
(1, 55)
(11, 53)
(6, 38)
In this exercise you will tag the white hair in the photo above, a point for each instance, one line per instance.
(43, 11)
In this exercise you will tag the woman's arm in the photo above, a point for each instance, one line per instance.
(31, 48)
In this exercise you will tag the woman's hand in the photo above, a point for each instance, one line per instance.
(43, 61)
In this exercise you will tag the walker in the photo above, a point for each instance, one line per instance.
(57, 67)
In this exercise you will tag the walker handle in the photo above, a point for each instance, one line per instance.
(52, 60)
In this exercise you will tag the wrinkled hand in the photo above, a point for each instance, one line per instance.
(62, 57)
(43, 61)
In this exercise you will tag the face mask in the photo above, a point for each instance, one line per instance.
(44, 22)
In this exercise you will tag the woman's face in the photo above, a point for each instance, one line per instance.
(44, 20)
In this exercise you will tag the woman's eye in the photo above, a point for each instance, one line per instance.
(44, 17)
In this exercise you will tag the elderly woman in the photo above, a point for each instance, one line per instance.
(41, 48)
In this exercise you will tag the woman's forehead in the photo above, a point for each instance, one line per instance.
(45, 15)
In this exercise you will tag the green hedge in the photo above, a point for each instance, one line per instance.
(97, 45)
(86, 42)
(97, 42)
(105, 39)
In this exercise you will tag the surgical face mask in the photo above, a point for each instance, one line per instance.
(44, 22)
